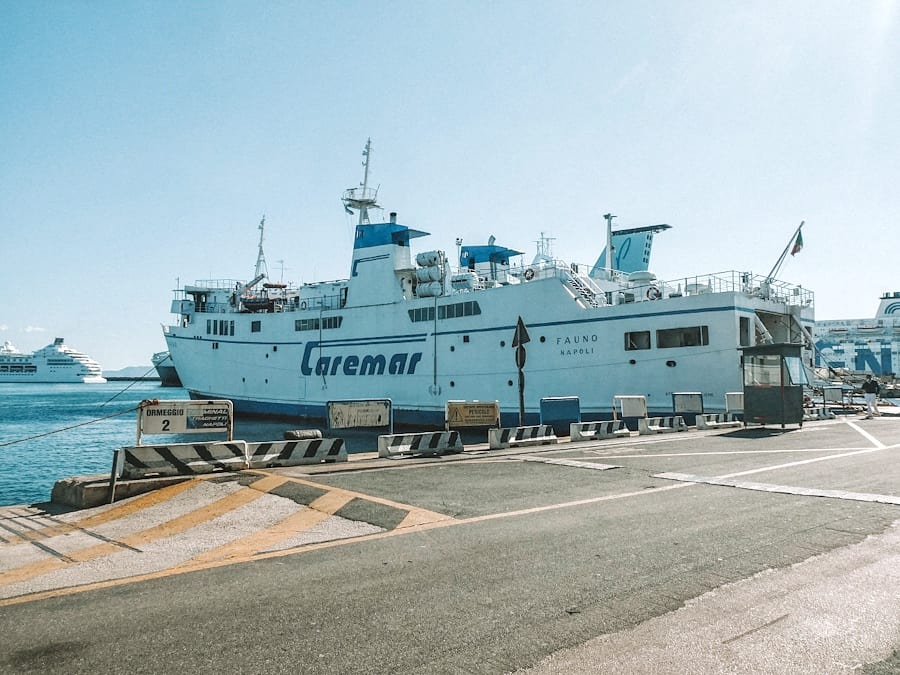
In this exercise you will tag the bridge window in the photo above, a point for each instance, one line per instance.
(691, 336)
(458, 310)
(306, 324)
(314, 324)
(637, 340)
(255, 326)
(422, 314)
(332, 322)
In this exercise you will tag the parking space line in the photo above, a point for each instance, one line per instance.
(874, 441)
(783, 489)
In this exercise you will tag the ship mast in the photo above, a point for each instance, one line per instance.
(609, 247)
(362, 198)
(261, 267)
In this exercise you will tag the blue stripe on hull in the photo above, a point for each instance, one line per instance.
(412, 418)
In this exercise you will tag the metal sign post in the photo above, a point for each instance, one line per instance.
(519, 339)
(184, 417)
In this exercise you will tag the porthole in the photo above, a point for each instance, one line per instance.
(452, 348)
(509, 383)
(502, 343)
(632, 361)
(452, 383)
(671, 364)
(543, 339)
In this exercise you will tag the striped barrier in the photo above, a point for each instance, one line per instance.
(540, 434)
(428, 443)
(588, 431)
(717, 421)
(183, 459)
(821, 413)
(661, 425)
(294, 453)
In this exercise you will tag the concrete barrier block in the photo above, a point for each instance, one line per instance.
(717, 421)
(177, 459)
(428, 443)
(661, 425)
(294, 453)
(589, 431)
(540, 434)
(820, 413)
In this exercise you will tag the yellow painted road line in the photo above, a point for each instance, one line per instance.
(134, 505)
(166, 529)
(308, 517)
(35, 569)
(207, 513)
(118, 511)
(360, 495)
(417, 517)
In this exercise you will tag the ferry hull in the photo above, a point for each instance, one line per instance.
(572, 352)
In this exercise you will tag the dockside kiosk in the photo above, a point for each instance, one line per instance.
(773, 384)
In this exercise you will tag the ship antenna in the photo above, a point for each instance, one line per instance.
(362, 198)
(261, 267)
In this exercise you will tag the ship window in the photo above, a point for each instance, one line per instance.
(422, 314)
(637, 340)
(231, 327)
(691, 336)
(255, 326)
(314, 324)
(458, 309)
(306, 324)
(209, 326)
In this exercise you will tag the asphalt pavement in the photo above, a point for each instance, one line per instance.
(733, 551)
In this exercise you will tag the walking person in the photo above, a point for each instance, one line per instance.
(870, 390)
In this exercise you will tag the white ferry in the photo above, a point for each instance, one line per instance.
(862, 345)
(420, 330)
(55, 363)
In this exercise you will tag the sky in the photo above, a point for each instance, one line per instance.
(142, 142)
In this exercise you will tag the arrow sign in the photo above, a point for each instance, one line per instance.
(521, 335)
(519, 340)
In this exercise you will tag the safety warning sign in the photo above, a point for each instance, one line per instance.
(473, 414)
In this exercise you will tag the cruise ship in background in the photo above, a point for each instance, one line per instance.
(862, 345)
(55, 363)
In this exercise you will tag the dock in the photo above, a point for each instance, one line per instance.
(720, 550)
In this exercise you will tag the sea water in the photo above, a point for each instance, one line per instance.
(54, 431)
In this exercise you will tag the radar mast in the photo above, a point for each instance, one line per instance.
(261, 267)
(362, 198)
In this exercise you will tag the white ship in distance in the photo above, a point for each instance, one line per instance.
(55, 363)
